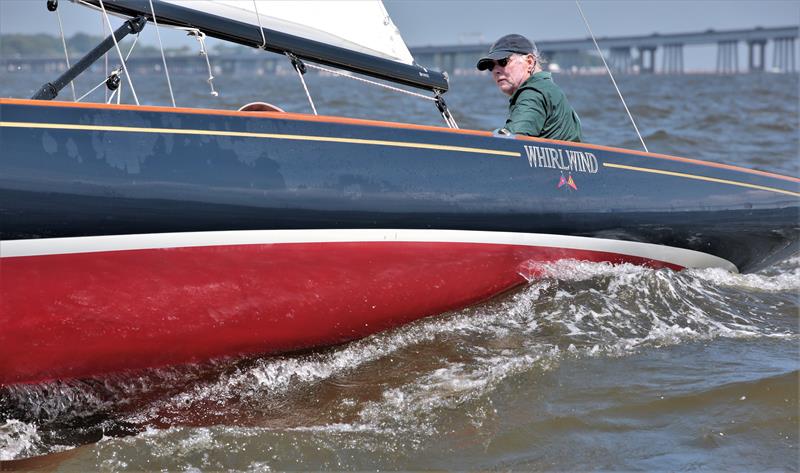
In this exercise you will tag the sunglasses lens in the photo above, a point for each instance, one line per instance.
(499, 62)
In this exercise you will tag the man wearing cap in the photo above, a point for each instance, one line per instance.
(538, 107)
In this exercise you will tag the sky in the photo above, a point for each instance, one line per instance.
(442, 22)
(424, 22)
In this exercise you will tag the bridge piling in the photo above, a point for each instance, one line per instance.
(728, 57)
(647, 59)
(672, 59)
(783, 55)
(756, 55)
(620, 59)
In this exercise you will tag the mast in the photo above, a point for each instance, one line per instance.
(278, 42)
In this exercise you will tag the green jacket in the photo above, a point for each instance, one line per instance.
(540, 108)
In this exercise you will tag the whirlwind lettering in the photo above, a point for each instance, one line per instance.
(563, 159)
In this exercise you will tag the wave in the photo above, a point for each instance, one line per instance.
(425, 370)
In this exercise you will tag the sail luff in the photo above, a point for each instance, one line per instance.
(247, 34)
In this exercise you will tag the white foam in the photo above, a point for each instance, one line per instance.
(19, 439)
(786, 281)
(574, 270)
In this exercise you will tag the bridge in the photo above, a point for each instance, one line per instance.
(626, 54)
(632, 54)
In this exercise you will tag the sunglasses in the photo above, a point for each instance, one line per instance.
(500, 62)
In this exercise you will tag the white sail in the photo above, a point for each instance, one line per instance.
(358, 25)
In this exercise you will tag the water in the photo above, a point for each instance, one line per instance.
(591, 367)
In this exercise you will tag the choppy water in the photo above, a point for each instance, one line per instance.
(592, 367)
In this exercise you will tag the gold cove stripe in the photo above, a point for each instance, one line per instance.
(701, 178)
(243, 134)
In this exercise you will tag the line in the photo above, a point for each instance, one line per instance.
(243, 134)
(702, 178)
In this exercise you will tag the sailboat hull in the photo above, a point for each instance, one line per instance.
(81, 314)
(136, 237)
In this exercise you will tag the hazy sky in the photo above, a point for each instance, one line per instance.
(452, 21)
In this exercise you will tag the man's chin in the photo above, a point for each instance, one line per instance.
(506, 88)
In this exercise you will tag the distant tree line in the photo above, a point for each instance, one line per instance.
(48, 46)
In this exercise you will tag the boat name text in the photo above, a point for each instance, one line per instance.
(563, 159)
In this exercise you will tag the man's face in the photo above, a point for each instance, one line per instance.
(517, 70)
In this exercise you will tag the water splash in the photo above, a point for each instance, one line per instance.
(18, 440)
(402, 387)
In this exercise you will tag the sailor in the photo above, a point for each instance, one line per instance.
(538, 107)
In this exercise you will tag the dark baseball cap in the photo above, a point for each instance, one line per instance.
(504, 47)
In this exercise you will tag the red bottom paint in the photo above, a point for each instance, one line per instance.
(78, 315)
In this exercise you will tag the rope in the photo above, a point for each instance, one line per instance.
(117, 71)
(260, 28)
(610, 74)
(303, 81)
(105, 56)
(116, 45)
(201, 38)
(448, 118)
(66, 54)
(163, 57)
(136, 40)
(361, 79)
(93, 89)
(118, 93)
(119, 89)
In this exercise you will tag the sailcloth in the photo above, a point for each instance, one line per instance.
(358, 25)
(354, 35)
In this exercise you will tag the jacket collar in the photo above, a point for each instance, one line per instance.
(539, 76)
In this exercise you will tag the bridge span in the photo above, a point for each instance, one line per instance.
(626, 54)
(632, 54)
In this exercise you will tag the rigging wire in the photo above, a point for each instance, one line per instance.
(260, 28)
(448, 117)
(577, 2)
(118, 92)
(200, 36)
(116, 45)
(66, 54)
(163, 56)
(117, 72)
(105, 56)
